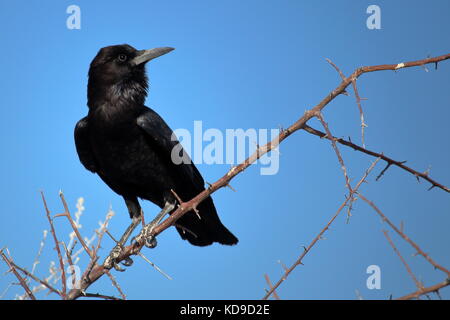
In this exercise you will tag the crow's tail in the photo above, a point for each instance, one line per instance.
(204, 228)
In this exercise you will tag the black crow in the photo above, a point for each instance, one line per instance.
(129, 146)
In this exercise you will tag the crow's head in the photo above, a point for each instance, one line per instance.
(117, 73)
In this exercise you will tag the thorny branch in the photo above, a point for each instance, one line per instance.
(320, 235)
(389, 161)
(57, 248)
(404, 236)
(66, 214)
(22, 281)
(357, 97)
(432, 289)
(419, 285)
(421, 290)
(269, 283)
(95, 271)
(32, 276)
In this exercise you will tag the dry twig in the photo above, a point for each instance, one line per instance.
(319, 236)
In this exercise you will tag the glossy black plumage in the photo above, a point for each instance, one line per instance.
(129, 146)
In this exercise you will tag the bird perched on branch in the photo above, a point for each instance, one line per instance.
(129, 146)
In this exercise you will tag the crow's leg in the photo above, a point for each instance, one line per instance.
(135, 214)
(150, 241)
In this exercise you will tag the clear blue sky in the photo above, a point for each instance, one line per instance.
(238, 64)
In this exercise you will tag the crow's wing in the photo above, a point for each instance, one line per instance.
(204, 228)
(83, 146)
(161, 135)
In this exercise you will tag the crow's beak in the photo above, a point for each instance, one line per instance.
(144, 56)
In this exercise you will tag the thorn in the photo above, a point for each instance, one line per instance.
(155, 266)
(438, 294)
(177, 197)
(283, 266)
(229, 186)
(197, 213)
(111, 236)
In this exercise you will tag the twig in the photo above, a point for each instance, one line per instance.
(404, 236)
(22, 281)
(57, 248)
(41, 247)
(361, 113)
(419, 285)
(101, 296)
(388, 165)
(73, 224)
(69, 260)
(427, 290)
(341, 162)
(102, 230)
(115, 284)
(269, 283)
(336, 150)
(32, 276)
(389, 161)
(337, 69)
(154, 266)
(319, 236)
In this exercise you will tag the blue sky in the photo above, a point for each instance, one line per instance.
(238, 64)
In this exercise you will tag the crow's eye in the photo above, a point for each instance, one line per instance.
(122, 57)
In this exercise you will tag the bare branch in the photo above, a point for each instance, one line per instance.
(432, 289)
(361, 113)
(319, 236)
(32, 276)
(416, 281)
(338, 153)
(404, 236)
(57, 248)
(389, 161)
(73, 224)
(22, 281)
(337, 69)
(41, 247)
(275, 295)
(100, 296)
(154, 266)
(115, 284)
